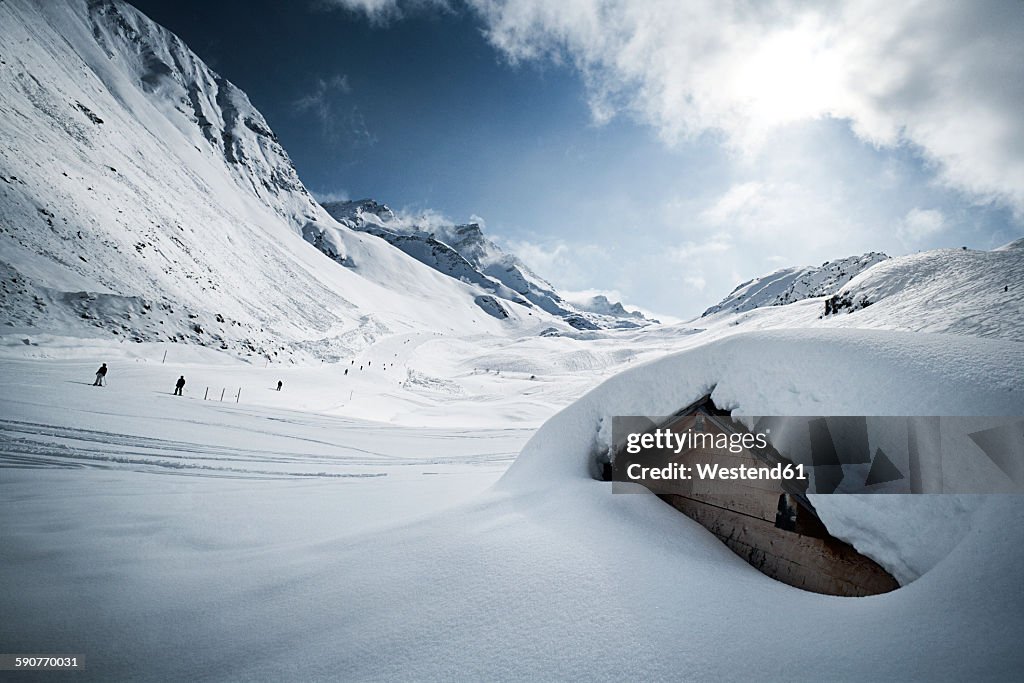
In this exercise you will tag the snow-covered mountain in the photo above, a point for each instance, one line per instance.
(465, 253)
(601, 304)
(965, 291)
(961, 291)
(788, 285)
(144, 196)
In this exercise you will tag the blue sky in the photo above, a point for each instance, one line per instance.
(662, 152)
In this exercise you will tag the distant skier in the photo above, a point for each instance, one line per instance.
(179, 385)
(279, 385)
(100, 375)
(346, 371)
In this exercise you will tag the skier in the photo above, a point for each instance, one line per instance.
(279, 385)
(100, 374)
(179, 385)
(346, 371)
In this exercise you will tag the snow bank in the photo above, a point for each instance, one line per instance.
(805, 372)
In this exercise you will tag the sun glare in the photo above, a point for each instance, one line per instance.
(791, 75)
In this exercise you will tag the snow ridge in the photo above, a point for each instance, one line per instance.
(789, 285)
(963, 291)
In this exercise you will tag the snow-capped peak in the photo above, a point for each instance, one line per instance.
(464, 252)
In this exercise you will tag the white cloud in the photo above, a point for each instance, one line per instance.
(762, 215)
(920, 224)
(696, 281)
(383, 11)
(544, 259)
(740, 204)
(568, 265)
(332, 196)
(427, 220)
(321, 101)
(944, 77)
(337, 123)
(317, 99)
(689, 250)
(586, 295)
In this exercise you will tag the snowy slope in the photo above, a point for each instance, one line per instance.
(947, 290)
(965, 292)
(465, 253)
(788, 285)
(143, 196)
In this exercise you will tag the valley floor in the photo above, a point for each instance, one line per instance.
(168, 538)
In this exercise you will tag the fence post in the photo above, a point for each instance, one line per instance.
(239, 394)
(165, 357)
(207, 393)
(222, 393)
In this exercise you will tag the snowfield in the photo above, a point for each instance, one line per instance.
(270, 542)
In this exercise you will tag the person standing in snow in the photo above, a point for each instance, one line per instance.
(179, 385)
(100, 374)
(279, 385)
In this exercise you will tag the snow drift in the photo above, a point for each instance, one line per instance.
(802, 372)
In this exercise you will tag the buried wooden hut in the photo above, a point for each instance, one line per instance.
(769, 523)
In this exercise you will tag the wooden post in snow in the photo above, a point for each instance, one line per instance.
(239, 394)
(207, 393)
(165, 357)
(222, 393)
